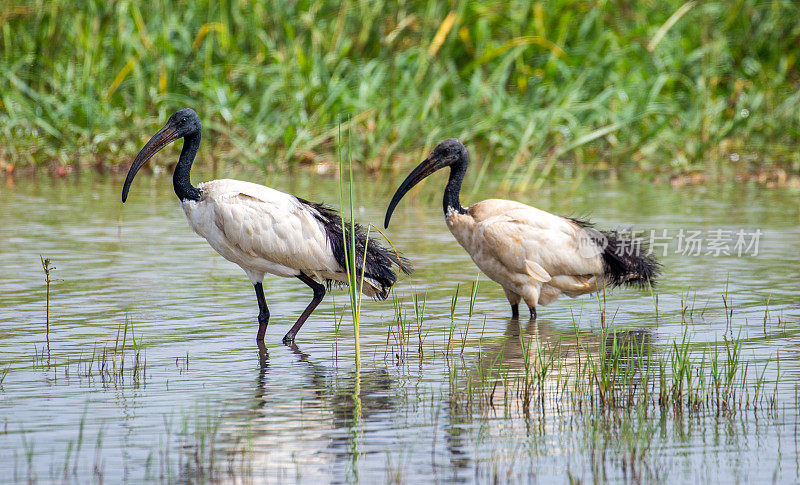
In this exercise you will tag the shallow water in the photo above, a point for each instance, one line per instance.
(204, 403)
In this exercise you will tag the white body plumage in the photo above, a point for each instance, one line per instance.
(534, 255)
(264, 230)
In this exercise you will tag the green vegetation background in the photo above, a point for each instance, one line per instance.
(533, 87)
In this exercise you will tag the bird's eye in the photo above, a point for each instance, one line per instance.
(184, 120)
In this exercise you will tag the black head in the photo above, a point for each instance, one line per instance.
(449, 153)
(185, 122)
(182, 123)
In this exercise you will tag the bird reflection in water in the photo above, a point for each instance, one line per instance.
(307, 421)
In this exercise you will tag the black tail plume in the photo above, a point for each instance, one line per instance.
(627, 260)
(381, 261)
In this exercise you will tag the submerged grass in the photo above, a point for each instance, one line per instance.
(612, 370)
(120, 362)
(607, 369)
(531, 87)
(614, 392)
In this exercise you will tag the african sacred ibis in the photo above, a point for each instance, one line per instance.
(267, 231)
(534, 255)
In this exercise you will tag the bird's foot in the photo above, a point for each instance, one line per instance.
(288, 339)
(263, 354)
(515, 311)
(533, 312)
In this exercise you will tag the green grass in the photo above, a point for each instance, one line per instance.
(355, 274)
(532, 87)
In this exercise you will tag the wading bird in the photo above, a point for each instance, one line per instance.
(267, 231)
(534, 255)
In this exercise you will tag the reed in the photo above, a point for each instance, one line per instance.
(533, 88)
(355, 275)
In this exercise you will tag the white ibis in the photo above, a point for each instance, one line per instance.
(267, 231)
(534, 255)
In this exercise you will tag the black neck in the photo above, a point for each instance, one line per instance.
(180, 179)
(453, 188)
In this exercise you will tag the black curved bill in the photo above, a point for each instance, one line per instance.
(427, 167)
(164, 137)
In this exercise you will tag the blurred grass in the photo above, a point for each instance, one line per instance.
(532, 87)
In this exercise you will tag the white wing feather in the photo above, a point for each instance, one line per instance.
(529, 240)
(263, 223)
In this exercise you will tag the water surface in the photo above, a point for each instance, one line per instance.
(204, 402)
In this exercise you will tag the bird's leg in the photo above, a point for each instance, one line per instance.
(319, 294)
(533, 312)
(263, 312)
(513, 300)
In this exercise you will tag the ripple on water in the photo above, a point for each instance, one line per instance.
(291, 414)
